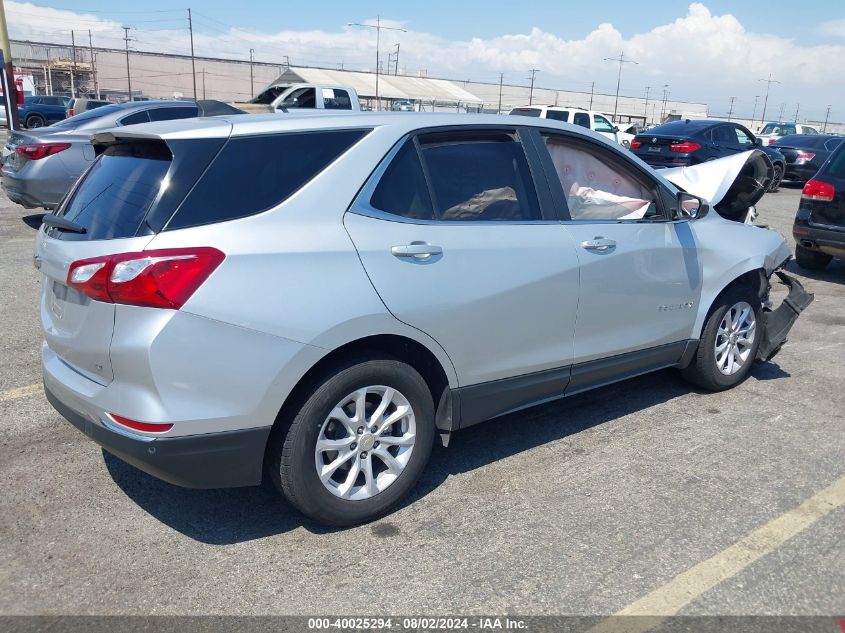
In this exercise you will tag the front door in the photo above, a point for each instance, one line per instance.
(640, 274)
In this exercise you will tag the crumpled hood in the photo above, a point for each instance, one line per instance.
(730, 184)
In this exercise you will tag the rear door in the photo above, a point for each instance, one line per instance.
(111, 204)
(640, 275)
(453, 235)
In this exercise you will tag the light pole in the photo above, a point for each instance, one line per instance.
(533, 72)
(665, 99)
(126, 39)
(769, 83)
(378, 27)
(754, 112)
(647, 90)
(826, 117)
(621, 59)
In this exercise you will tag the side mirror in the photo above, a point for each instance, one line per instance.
(615, 128)
(757, 142)
(691, 207)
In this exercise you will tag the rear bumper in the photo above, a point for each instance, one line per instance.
(215, 460)
(799, 173)
(829, 241)
(28, 192)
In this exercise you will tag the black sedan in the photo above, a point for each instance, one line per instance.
(805, 153)
(690, 142)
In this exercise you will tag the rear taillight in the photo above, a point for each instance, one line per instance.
(635, 144)
(685, 147)
(818, 191)
(34, 151)
(71, 112)
(148, 427)
(155, 279)
(804, 157)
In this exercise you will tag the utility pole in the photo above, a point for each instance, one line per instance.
(731, 109)
(251, 74)
(126, 39)
(780, 114)
(533, 72)
(93, 64)
(396, 61)
(193, 62)
(73, 65)
(378, 27)
(665, 100)
(647, 90)
(501, 81)
(769, 83)
(203, 82)
(621, 59)
(592, 90)
(826, 117)
(797, 106)
(754, 112)
(9, 88)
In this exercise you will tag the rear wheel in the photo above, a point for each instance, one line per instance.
(34, 120)
(776, 178)
(729, 341)
(811, 260)
(358, 444)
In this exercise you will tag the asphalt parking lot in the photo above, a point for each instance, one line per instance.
(583, 506)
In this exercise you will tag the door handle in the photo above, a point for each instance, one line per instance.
(417, 250)
(599, 244)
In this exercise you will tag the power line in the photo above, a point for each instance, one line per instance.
(621, 59)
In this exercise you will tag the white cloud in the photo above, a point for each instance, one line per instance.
(703, 57)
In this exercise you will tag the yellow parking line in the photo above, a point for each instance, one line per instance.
(689, 585)
(21, 392)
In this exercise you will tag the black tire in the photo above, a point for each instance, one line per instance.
(811, 260)
(34, 121)
(703, 370)
(291, 455)
(776, 178)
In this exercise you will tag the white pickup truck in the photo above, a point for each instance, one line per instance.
(284, 97)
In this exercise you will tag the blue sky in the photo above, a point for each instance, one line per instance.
(706, 51)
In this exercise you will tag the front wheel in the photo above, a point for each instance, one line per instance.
(729, 341)
(776, 179)
(358, 444)
(34, 121)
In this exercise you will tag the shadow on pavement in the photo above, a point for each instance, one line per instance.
(834, 273)
(220, 517)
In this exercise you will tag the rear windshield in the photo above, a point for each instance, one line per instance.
(526, 112)
(119, 189)
(89, 115)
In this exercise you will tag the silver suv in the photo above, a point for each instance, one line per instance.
(317, 299)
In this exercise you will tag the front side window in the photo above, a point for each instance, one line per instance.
(582, 119)
(483, 176)
(301, 98)
(742, 137)
(602, 124)
(597, 187)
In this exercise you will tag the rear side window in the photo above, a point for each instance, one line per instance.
(336, 99)
(255, 173)
(836, 166)
(558, 115)
(582, 119)
(138, 117)
(482, 176)
(832, 144)
(170, 114)
(114, 198)
(402, 189)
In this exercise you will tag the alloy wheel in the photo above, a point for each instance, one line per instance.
(365, 442)
(735, 338)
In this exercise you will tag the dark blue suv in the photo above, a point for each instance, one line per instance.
(38, 111)
(690, 142)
